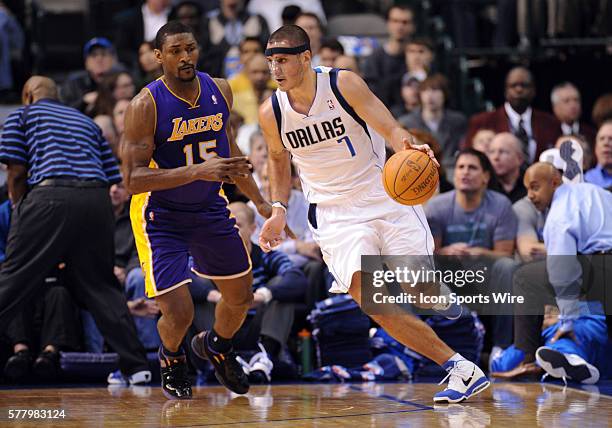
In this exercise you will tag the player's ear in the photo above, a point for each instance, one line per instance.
(158, 55)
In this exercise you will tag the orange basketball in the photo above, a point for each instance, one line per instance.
(410, 177)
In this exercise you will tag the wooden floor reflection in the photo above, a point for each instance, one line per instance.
(304, 405)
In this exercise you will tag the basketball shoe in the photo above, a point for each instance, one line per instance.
(228, 370)
(175, 381)
(566, 366)
(465, 379)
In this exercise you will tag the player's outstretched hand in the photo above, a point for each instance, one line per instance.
(410, 144)
(270, 235)
(223, 169)
(265, 210)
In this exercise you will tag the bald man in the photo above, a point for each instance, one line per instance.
(506, 155)
(536, 129)
(59, 171)
(579, 222)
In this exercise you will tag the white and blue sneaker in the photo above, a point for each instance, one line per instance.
(142, 377)
(465, 380)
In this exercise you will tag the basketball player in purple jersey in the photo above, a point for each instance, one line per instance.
(176, 152)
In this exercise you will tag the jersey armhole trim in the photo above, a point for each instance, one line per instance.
(155, 111)
(333, 82)
(278, 116)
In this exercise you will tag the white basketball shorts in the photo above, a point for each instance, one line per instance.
(370, 224)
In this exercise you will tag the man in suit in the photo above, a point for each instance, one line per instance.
(565, 101)
(137, 25)
(536, 129)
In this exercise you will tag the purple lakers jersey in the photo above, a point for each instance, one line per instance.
(187, 134)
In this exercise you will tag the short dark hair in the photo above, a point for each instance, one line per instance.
(293, 34)
(422, 41)
(170, 29)
(333, 44)
(485, 163)
(251, 39)
(403, 7)
(436, 81)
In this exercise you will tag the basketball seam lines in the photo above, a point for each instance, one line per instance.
(417, 177)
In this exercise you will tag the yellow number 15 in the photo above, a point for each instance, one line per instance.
(205, 150)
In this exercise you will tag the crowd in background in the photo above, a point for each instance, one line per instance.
(481, 208)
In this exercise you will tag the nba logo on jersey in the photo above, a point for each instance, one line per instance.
(330, 104)
(151, 216)
(214, 99)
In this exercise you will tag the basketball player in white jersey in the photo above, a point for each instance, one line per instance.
(335, 129)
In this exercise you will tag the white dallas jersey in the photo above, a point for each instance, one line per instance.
(337, 154)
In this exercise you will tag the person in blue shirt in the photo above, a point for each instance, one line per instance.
(601, 174)
(579, 223)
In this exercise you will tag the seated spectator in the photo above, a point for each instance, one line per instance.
(447, 126)
(49, 325)
(602, 110)
(258, 155)
(11, 47)
(277, 285)
(384, 68)
(537, 130)
(419, 56)
(137, 25)
(507, 157)
(275, 11)
(148, 66)
(119, 116)
(409, 97)
(329, 51)
(80, 90)
(189, 13)
(347, 62)
(311, 23)
(529, 233)
(482, 140)
(249, 47)
(260, 86)
(565, 101)
(223, 30)
(601, 175)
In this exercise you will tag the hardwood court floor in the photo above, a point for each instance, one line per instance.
(518, 405)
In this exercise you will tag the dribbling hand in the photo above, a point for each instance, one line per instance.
(411, 144)
(223, 169)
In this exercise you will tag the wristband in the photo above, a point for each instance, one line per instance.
(279, 204)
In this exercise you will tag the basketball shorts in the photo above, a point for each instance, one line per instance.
(370, 224)
(166, 239)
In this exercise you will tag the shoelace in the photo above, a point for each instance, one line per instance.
(454, 371)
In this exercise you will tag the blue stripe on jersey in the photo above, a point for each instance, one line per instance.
(333, 82)
(277, 114)
(54, 140)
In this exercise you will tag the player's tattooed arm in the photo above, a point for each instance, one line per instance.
(137, 147)
(375, 114)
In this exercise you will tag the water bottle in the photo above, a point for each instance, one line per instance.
(306, 350)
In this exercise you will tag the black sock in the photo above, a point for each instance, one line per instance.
(171, 354)
(219, 344)
(271, 345)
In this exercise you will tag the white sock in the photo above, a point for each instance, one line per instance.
(456, 357)
(444, 291)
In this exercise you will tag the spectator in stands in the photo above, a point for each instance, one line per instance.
(119, 115)
(57, 330)
(329, 51)
(273, 11)
(384, 68)
(260, 86)
(73, 180)
(189, 13)
(223, 30)
(277, 285)
(311, 23)
(507, 157)
(602, 109)
(419, 55)
(447, 126)
(81, 87)
(258, 155)
(601, 175)
(536, 129)
(148, 66)
(566, 105)
(249, 46)
(113, 87)
(347, 62)
(472, 220)
(482, 140)
(11, 46)
(289, 14)
(137, 25)
(409, 97)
